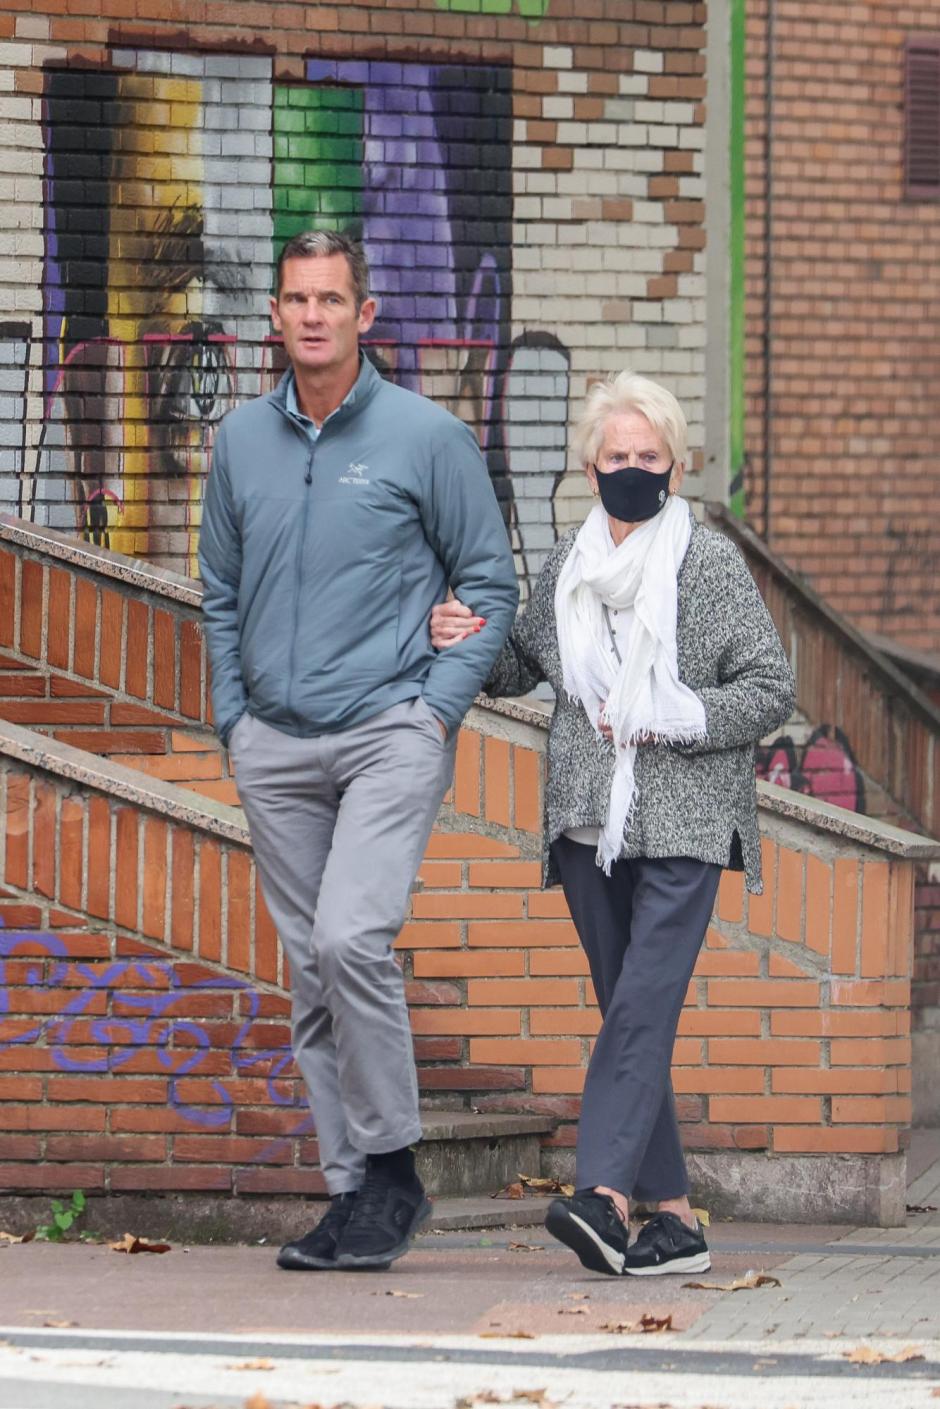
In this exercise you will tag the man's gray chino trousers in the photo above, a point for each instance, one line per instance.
(339, 824)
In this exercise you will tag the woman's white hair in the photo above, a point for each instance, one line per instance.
(629, 392)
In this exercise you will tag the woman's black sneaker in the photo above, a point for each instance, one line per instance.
(666, 1244)
(590, 1225)
(385, 1218)
(316, 1250)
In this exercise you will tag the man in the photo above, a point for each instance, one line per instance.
(338, 510)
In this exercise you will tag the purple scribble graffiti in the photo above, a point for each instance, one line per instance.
(152, 1024)
(824, 767)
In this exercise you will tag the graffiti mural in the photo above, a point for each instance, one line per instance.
(157, 271)
(824, 767)
(146, 1002)
(171, 183)
(14, 374)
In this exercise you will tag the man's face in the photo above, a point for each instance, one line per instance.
(315, 311)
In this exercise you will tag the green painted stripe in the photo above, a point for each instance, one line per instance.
(318, 150)
(532, 10)
(737, 252)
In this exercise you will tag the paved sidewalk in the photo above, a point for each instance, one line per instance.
(473, 1315)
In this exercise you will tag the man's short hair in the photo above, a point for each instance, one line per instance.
(315, 244)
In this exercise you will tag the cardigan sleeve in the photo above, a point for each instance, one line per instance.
(513, 672)
(525, 660)
(755, 690)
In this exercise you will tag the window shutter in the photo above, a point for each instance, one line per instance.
(922, 118)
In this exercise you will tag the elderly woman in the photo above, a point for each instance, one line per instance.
(667, 670)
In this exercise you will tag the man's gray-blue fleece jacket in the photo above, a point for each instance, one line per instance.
(321, 561)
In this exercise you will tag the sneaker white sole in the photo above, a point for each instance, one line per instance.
(583, 1240)
(698, 1262)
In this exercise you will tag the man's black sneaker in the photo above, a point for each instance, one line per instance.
(385, 1218)
(666, 1244)
(590, 1225)
(316, 1250)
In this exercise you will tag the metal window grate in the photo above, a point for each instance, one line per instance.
(922, 118)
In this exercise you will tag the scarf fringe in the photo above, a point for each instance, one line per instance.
(657, 735)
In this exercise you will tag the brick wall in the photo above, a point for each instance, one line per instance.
(873, 744)
(528, 185)
(144, 1041)
(855, 304)
(138, 948)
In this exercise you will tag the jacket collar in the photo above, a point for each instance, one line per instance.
(357, 398)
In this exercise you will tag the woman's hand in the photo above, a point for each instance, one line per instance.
(452, 622)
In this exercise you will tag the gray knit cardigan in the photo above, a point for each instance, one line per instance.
(697, 800)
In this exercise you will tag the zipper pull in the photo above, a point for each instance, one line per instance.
(308, 476)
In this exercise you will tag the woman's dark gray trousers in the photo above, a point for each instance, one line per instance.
(641, 927)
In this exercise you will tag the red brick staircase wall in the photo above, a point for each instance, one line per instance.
(890, 727)
(144, 1034)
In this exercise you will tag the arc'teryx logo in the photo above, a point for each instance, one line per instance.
(356, 475)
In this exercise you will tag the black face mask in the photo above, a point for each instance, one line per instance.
(633, 494)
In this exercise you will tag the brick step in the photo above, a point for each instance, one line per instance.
(464, 1159)
(183, 1219)
(465, 1154)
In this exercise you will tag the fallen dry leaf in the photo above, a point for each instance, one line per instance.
(703, 1217)
(648, 1324)
(410, 1296)
(258, 1401)
(749, 1282)
(60, 1325)
(546, 1186)
(253, 1365)
(530, 1184)
(526, 1247)
(538, 1397)
(867, 1355)
(572, 1311)
(16, 1238)
(507, 1335)
(511, 1191)
(132, 1243)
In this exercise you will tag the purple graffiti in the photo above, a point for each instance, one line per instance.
(151, 1023)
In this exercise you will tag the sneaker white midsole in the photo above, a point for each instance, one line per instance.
(610, 1255)
(698, 1262)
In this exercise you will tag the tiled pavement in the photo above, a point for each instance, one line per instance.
(866, 1282)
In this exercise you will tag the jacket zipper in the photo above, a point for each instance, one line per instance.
(298, 577)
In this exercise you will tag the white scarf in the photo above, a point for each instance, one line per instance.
(642, 697)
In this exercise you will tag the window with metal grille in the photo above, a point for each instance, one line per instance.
(922, 117)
